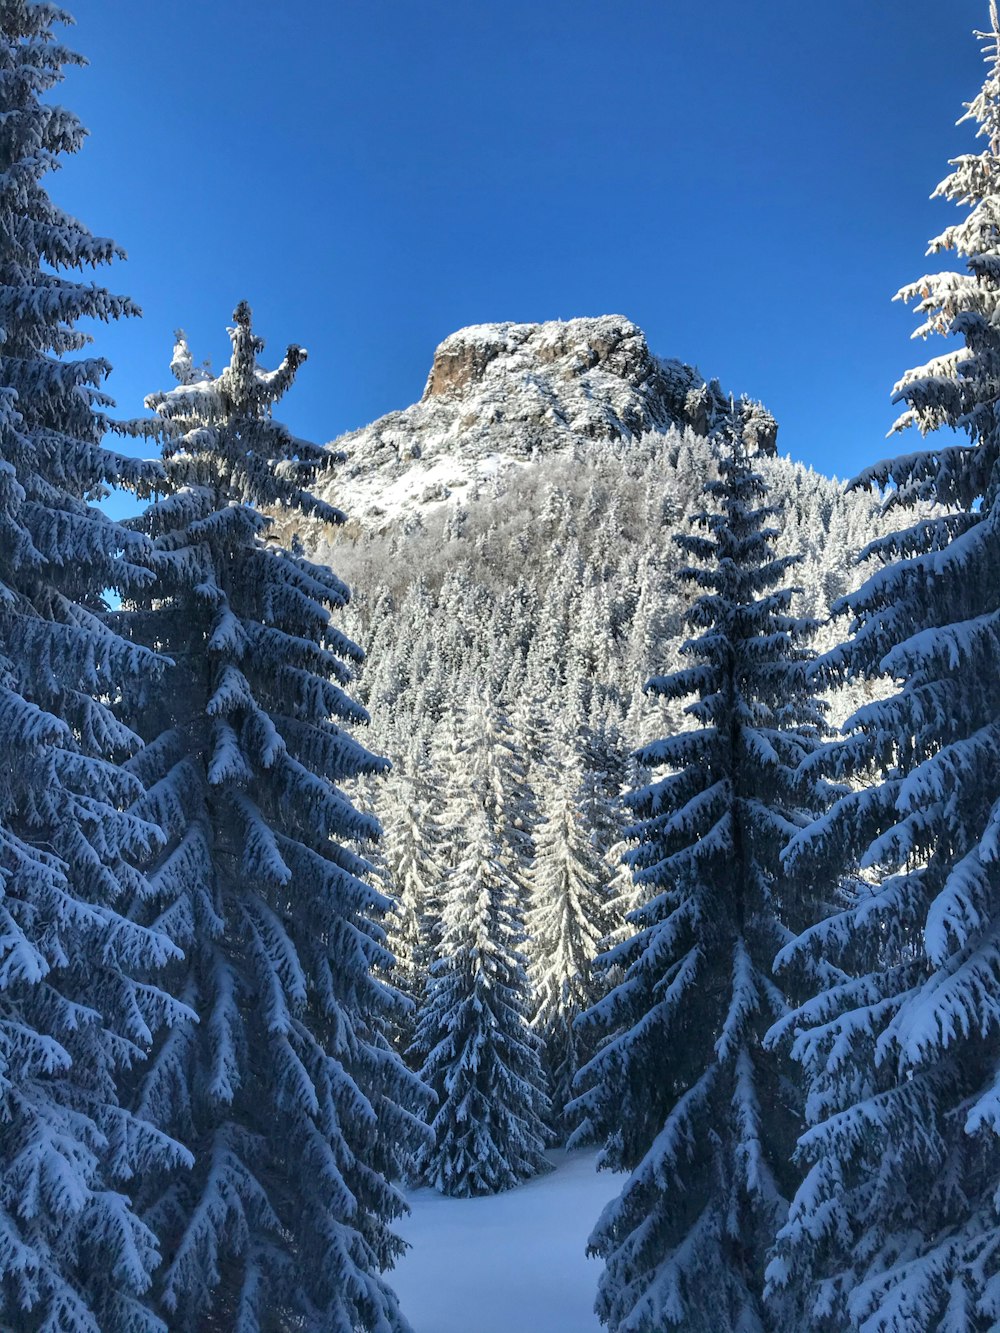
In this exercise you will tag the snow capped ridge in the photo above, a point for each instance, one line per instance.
(610, 344)
(498, 395)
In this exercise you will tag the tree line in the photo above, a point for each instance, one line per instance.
(749, 952)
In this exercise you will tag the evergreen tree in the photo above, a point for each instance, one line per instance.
(568, 919)
(496, 769)
(413, 857)
(682, 1093)
(296, 1113)
(479, 1055)
(896, 1226)
(73, 1254)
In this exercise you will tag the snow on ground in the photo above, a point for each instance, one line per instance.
(509, 1263)
(420, 483)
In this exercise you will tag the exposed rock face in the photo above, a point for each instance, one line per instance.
(498, 395)
(495, 352)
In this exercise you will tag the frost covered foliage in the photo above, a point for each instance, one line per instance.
(896, 1226)
(73, 1255)
(555, 590)
(570, 909)
(284, 1092)
(410, 806)
(479, 1054)
(682, 1092)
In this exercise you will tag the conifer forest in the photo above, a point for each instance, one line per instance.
(551, 770)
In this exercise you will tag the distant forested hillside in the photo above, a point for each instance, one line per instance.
(517, 625)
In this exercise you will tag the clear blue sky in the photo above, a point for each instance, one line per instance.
(748, 182)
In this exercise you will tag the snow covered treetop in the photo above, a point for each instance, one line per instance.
(957, 387)
(241, 390)
(221, 439)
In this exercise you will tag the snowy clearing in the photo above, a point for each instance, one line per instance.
(517, 1259)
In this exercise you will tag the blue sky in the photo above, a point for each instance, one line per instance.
(748, 182)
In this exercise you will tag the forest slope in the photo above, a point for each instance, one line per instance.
(511, 548)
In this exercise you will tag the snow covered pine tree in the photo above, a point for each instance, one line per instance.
(682, 1093)
(73, 1255)
(896, 1229)
(408, 811)
(285, 1092)
(570, 915)
(480, 1056)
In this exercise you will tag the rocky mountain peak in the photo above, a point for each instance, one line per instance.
(567, 348)
(499, 395)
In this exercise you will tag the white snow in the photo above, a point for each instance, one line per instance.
(507, 1263)
(423, 483)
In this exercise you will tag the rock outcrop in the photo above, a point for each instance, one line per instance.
(499, 395)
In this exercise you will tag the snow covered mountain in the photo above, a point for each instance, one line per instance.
(502, 395)
(510, 412)
(511, 551)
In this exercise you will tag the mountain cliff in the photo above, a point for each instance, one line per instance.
(501, 395)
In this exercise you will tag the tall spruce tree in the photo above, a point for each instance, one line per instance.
(479, 1055)
(569, 917)
(896, 1226)
(496, 769)
(284, 1091)
(682, 1092)
(73, 1254)
(409, 813)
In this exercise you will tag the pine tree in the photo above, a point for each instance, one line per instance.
(896, 1227)
(569, 917)
(497, 771)
(682, 1093)
(413, 857)
(295, 1111)
(73, 1254)
(479, 1055)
